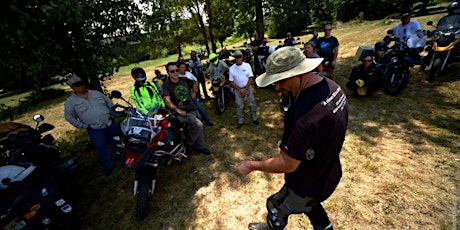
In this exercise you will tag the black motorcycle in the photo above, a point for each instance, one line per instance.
(444, 47)
(396, 61)
(38, 189)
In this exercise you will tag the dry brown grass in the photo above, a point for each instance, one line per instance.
(400, 161)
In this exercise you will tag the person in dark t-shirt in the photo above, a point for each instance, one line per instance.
(314, 131)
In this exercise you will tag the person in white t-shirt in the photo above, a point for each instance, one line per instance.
(241, 78)
(407, 28)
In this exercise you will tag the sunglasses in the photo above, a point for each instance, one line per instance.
(367, 60)
(78, 84)
(174, 71)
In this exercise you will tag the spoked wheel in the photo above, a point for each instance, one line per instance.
(435, 69)
(219, 102)
(143, 195)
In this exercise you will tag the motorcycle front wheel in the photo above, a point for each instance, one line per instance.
(219, 102)
(143, 195)
(396, 83)
(435, 69)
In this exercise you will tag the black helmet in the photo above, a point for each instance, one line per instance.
(135, 74)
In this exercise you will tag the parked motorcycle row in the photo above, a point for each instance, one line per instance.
(441, 46)
(38, 189)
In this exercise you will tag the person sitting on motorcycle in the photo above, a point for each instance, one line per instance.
(406, 29)
(217, 67)
(186, 74)
(289, 41)
(145, 94)
(178, 96)
(365, 78)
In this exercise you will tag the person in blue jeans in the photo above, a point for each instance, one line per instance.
(90, 110)
(184, 73)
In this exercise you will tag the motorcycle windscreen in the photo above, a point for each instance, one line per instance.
(449, 23)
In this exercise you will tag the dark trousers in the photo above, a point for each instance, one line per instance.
(202, 82)
(285, 202)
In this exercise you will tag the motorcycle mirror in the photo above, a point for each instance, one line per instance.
(429, 23)
(389, 31)
(115, 94)
(39, 118)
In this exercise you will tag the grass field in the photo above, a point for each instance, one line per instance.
(400, 159)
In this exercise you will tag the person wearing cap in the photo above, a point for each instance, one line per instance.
(241, 78)
(145, 94)
(217, 67)
(196, 67)
(327, 47)
(365, 78)
(314, 131)
(178, 94)
(407, 28)
(90, 110)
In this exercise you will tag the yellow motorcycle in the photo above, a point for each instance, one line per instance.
(445, 44)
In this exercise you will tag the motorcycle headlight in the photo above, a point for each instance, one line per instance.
(394, 59)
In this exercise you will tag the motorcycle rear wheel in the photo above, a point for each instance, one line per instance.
(143, 197)
(435, 69)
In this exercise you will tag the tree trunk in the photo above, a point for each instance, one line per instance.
(210, 17)
(195, 11)
(259, 18)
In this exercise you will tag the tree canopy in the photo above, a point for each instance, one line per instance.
(48, 38)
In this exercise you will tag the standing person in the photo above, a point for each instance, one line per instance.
(186, 74)
(263, 54)
(407, 28)
(315, 37)
(217, 67)
(241, 78)
(289, 41)
(327, 47)
(365, 78)
(314, 132)
(145, 94)
(196, 67)
(90, 110)
(178, 95)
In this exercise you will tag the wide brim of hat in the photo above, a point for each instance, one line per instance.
(305, 66)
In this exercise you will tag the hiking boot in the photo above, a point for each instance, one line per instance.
(256, 122)
(259, 226)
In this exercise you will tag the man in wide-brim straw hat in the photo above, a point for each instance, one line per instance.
(314, 131)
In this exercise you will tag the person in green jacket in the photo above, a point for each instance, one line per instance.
(145, 94)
